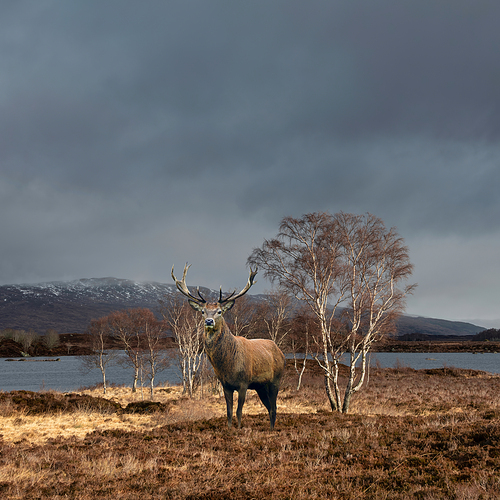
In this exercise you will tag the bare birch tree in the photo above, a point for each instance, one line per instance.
(241, 317)
(277, 316)
(127, 327)
(153, 333)
(304, 260)
(142, 337)
(377, 261)
(329, 261)
(300, 342)
(27, 340)
(51, 339)
(99, 334)
(188, 332)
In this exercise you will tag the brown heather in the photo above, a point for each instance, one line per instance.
(431, 434)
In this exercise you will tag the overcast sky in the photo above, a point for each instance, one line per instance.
(136, 135)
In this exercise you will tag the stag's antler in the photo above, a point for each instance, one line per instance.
(245, 290)
(182, 287)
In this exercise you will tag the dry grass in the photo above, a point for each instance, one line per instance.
(17, 425)
(423, 435)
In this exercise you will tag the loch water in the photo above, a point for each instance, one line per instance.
(67, 374)
(35, 374)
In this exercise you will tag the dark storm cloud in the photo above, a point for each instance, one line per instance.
(136, 133)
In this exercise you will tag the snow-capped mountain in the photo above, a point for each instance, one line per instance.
(69, 306)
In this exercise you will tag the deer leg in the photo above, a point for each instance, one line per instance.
(273, 395)
(228, 394)
(268, 394)
(264, 397)
(242, 394)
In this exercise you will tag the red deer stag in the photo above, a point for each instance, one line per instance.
(239, 363)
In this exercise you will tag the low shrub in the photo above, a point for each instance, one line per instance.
(146, 407)
(36, 403)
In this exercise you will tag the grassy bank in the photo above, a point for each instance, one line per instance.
(431, 434)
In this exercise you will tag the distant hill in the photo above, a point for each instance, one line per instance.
(69, 306)
(408, 325)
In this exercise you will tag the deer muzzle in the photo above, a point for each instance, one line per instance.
(209, 323)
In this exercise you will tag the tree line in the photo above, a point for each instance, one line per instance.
(489, 334)
(142, 336)
(137, 332)
(30, 341)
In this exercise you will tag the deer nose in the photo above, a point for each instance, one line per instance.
(209, 322)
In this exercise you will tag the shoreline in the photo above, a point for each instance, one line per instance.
(436, 346)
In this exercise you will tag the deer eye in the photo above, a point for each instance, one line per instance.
(219, 312)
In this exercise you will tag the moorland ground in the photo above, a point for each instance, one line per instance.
(427, 434)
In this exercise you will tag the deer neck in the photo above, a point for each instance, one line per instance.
(220, 345)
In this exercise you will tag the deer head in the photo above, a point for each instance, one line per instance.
(211, 311)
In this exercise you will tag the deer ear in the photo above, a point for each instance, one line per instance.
(195, 305)
(227, 306)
